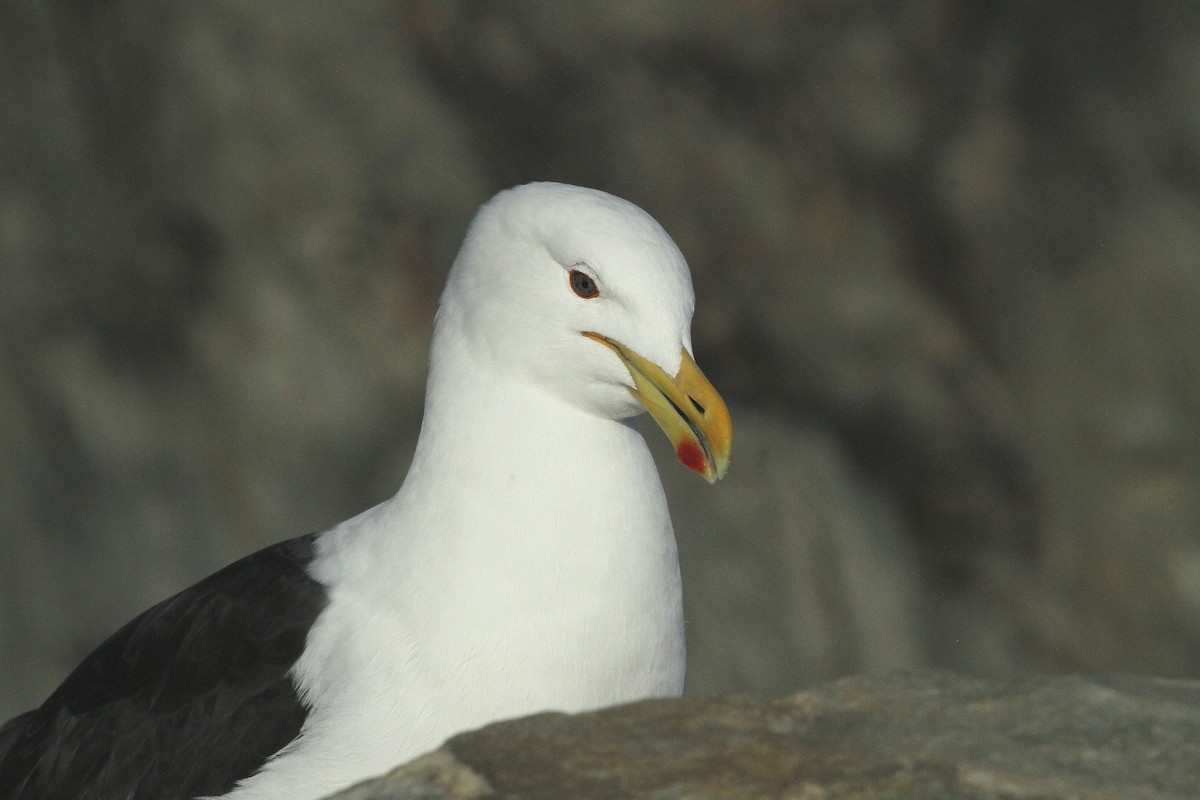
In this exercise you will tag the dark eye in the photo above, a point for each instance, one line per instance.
(583, 285)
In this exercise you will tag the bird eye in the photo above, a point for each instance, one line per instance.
(583, 285)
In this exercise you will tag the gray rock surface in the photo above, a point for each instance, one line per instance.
(906, 736)
(945, 254)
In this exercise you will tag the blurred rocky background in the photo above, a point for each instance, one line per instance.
(947, 256)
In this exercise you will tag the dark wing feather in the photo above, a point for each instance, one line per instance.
(187, 699)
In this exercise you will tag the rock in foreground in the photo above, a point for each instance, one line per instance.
(901, 737)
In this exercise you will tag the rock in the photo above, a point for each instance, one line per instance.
(907, 736)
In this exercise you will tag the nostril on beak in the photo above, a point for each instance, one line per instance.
(698, 407)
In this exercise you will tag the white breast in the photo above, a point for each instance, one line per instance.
(495, 584)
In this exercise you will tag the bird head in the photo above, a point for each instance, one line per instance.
(586, 296)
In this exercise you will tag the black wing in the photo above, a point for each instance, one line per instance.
(187, 699)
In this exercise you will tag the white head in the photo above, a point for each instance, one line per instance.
(581, 294)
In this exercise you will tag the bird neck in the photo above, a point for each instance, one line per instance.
(511, 484)
(528, 531)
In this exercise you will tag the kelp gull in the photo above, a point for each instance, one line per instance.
(526, 563)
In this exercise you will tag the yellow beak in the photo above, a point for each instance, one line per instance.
(687, 408)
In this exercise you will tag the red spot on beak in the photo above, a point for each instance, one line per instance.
(691, 456)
